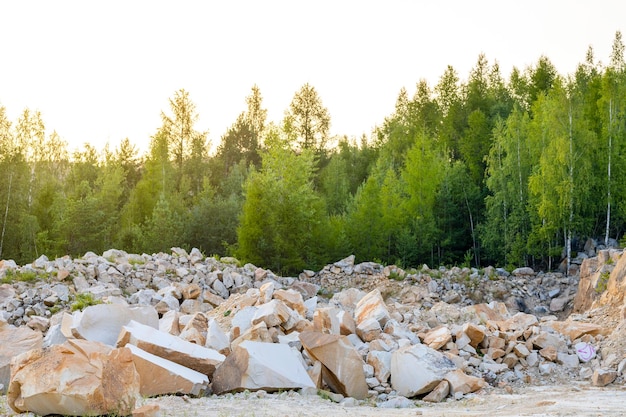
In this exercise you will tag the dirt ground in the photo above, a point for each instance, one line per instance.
(537, 401)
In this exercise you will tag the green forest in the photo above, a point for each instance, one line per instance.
(511, 172)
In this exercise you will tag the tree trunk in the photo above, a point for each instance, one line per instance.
(6, 214)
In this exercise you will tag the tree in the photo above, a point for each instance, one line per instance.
(308, 120)
(612, 119)
(506, 227)
(421, 177)
(558, 184)
(187, 146)
(282, 212)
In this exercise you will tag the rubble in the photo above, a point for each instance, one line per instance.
(356, 331)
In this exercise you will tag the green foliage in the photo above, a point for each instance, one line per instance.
(468, 172)
(11, 276)
(84, 300)
(603, 280)
(281, 214)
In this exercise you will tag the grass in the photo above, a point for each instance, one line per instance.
(12, 276)
(84, 300)
(602, 282)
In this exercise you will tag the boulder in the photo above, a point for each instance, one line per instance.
(437, 337)
(603, 377)
(475, 333)
(293, 299)
(15, 340)
(216, 338)
(79, 377)
(463, 383)
(575, 329)
(519, 321)
(103, 322)
(333, 320)
(273, 313)
(418, 369)
(371, 306)
(160, 376)
(381, 361)
(196, 329)
(342, 365)
(255, 365)
(440, 392)
(369, 329)
(170, 347)
(257, 333)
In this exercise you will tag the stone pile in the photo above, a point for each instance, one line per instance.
(185, 324)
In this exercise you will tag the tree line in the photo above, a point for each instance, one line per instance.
(486, 170)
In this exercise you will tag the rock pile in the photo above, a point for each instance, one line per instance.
(182, 323)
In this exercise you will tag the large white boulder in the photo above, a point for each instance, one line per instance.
(167, 346)
(257, 365)
(418, 369)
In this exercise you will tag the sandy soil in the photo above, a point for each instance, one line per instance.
(537, 401)
(533, 401)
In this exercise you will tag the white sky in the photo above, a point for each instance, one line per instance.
(100, 71)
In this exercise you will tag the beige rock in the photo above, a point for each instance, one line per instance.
(347, 325)
(307, 289)
(348, 298)
(437, 337)
(160, 376)
(371, 306)
(519, 322)
(510, 360)
(191, 292)
(418, 369)
(342, 364)
(381, 361)
(494, 311)
(216, 338)
(196, 329)
(15, 340)
(169, 323)
(440, 392)
(475, 333)
(521, 350)
(549, 353)
(495, 353)
(256, 365)
(266, 292)
(460, 382)
(293, 299)
(315, 373)
(603, 377)
(545, 339)
(368, 329)
(272, 313)
(147, 410)
(496, 342)
(38, 323)
(575, 329)
(325, 320)
(212, 299)
(257, 333)
(79, 377)
(170, 347)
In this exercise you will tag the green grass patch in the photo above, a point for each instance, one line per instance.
(84, 300)
(11, 276)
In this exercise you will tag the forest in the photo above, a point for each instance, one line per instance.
(476, 171)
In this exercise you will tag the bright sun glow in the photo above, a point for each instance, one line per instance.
(103, 71)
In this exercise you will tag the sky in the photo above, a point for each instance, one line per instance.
(101, 71)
